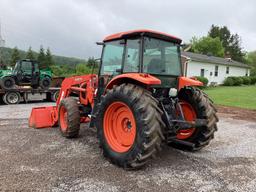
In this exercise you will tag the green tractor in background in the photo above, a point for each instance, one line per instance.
(26, 72)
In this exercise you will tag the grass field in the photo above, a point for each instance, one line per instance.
(243, 96)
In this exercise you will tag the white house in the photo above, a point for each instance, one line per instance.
(215, 69)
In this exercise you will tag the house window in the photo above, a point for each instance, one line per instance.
(202, 73)
(227, 70)
(216, 71)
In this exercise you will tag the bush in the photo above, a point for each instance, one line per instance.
(229, 81)
(246, 80)
(204, 80)
(233, 81)
(238, 81)
(253, 80)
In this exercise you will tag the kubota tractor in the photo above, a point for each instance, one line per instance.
(138, 101)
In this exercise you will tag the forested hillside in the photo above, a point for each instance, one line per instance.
(6, 54)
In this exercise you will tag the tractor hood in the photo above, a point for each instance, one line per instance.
(4, 73)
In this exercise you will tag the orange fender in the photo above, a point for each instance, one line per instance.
(141, 78)
(185, 81)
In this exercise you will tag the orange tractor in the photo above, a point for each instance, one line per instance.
(138, 101)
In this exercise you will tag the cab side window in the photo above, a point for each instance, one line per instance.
(131, 62)
(112, 58)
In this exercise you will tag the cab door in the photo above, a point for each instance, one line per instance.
(111, 63)
(26, 70)
(35, 74)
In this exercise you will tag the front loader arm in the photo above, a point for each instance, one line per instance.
(84, 86)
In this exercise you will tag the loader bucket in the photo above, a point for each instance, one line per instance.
(43, 117)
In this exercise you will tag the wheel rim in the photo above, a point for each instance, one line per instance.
(63, 119)
(189, 115)
(46, 83)
(119, 127)
(8, 83)
(12, 98)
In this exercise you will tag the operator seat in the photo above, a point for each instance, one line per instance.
(156, 66)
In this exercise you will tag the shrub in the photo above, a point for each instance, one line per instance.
(233, 81)
(229, 81)
(204, 80)
(246, 80)
(253, 80)
(238, 81)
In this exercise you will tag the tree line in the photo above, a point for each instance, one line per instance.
(59, 65)
(44, 58)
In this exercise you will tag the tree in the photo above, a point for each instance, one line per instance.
(41, 58)
(48, 58)
(3, 66)
(251, 60)
(15, 56)
(207, 45)
(230, 42)
(30, 54)
(82, 69)
(91, 62)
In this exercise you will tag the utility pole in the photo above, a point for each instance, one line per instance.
(2, 41)
(2, 44)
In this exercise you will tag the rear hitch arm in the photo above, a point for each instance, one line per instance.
(183, 125)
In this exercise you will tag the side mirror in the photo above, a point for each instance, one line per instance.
(100, 43)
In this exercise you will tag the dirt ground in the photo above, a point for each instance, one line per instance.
(237, 113)
(42, 160)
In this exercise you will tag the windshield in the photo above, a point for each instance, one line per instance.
(161, 57)
(17, 66)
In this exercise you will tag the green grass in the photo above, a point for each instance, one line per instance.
(240, 96)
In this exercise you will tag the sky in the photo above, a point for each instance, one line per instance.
(71, 27)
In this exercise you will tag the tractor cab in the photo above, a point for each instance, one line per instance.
(142, 51)
(27, 71)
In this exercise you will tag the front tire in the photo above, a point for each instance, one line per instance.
(7, 83)
(196, 104)
(69, 118)
(129, 126)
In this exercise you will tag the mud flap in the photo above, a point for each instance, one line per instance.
(43, 117)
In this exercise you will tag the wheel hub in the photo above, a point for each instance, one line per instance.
(63, 118)
(8, 83)
(12, 98)
(119, 127)
(189, 115)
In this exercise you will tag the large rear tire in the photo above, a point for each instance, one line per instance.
(196, 104)
(7, 83)
(69, 118)
(129, 126)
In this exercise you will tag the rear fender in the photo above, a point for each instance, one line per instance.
(185, 81)
(136, 78)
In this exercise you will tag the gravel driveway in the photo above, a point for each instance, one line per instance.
(42, 160)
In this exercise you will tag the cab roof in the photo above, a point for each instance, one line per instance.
(146, 32)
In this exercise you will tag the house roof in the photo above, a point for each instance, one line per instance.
(148, 32)
(213, 59)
